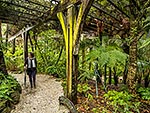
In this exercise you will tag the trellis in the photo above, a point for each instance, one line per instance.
(35, 13)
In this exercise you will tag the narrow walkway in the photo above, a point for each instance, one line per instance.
(43, 99)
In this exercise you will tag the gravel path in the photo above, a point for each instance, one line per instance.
(43, 99)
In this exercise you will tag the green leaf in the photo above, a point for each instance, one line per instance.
(145, 43)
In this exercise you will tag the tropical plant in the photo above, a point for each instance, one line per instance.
(109, 55)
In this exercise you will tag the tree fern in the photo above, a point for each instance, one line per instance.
(108, 55)
(145, 43)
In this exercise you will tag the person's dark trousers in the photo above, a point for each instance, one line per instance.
(32, 78)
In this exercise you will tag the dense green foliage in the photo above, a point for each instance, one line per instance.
(48, 51)
(144, 93)
(122, 102)
(9, 92)
(14, 62)
(8, 85)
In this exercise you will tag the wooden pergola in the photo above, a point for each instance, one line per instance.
(33, 14)
(73, 16)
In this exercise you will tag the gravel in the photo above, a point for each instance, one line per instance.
(43, 99)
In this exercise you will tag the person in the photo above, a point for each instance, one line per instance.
(30, 66)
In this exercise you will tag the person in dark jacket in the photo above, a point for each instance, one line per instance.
(30, 66)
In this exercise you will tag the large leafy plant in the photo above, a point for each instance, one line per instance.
(109, 55)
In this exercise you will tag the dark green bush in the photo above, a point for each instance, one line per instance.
(9, 92)
(144, 93)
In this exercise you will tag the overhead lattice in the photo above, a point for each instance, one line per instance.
(21, 12)
(33, 12)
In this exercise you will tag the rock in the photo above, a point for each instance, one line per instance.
(2, 104)
(15, 97)
(6, 110)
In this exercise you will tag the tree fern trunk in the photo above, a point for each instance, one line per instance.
(115, 77)
(146, 83)
(125, 73)
(105, 74)
(132, 66)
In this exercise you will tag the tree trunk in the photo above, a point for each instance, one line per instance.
(83, 57)
(146, 79)
(71, 23)
(14, 46)
(32, 46)
(109, 75)
(25, 37)
(35, 41)
(2, 61)
(115, 77)
(125, 73)
(105, 74)
(7, 32)
(74, 79)
(90, 64)
(132, 66)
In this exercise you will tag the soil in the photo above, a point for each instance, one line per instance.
(43, 99)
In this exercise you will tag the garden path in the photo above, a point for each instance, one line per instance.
(43, 99)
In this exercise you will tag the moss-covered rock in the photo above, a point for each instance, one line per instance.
(6, 110)
(15, 97)
(2, 104)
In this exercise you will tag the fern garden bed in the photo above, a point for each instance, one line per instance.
(10, 91)
(116, 100)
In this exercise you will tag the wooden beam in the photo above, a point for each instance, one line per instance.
(38, 4)
(113, 4)
(15, 19)
(17, 11)
(20, 32)
(16, 16)
(105, 22)
(21, 6)
(97, 6)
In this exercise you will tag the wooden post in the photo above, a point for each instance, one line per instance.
(2, 61)
(13, 46)
(7, 33)
(32, 46)
(25, 37)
